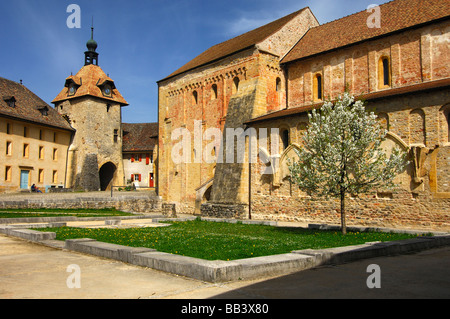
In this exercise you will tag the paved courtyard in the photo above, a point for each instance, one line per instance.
(29, 270)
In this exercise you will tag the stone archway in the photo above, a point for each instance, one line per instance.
(106, 175)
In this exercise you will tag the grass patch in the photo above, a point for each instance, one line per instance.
(225, 241)
(49, 212)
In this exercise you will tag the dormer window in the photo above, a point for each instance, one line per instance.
(43, 109)
(10, 100)
(72, 83)
(106, 86)
(72, 89)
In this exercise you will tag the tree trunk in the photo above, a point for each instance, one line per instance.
(343, 225)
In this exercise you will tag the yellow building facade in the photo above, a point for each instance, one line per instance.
(34, 141)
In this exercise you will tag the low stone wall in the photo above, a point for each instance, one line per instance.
(398, 210)
(237, 211)
(133, 203)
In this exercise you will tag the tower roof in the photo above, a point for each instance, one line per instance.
(90, 81)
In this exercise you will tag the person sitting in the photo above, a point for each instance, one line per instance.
(34, 189)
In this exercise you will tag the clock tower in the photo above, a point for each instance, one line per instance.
(92, 105)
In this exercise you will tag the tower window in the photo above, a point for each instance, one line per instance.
(116, 136)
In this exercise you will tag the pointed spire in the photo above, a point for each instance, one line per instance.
(91, 56)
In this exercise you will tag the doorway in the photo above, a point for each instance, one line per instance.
(24, 179)
(151, 180)
(106, 175)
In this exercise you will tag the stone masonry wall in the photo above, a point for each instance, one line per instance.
(138, 204)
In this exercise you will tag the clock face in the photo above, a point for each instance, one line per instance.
(72, 90)
(107, 91)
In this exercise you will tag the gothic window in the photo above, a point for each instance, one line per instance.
(384, 73)
(318, 87)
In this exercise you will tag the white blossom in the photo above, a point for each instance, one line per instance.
(342, 153)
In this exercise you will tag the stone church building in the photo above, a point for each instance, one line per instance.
(272, 76)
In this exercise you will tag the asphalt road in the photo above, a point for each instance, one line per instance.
(29, 270)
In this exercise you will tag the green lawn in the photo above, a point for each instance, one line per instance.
(225, 241)
(48, 212)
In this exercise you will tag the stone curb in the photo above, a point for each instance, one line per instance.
(224, 271)
(5, 221)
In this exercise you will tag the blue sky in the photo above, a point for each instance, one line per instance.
(139, 41)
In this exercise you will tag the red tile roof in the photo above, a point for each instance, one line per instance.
(89, 79)
(395, 16)
(28, 106)
(139, 137)
(236, 44)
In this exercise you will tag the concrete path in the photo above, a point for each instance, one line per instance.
(29, 270)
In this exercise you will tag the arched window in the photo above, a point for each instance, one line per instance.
(384, 73)
(195, 97)
(235, 85)
(285, 138)
(214, 92)
(318, 87)
(278, 84)
(417, 127)
(445, 123)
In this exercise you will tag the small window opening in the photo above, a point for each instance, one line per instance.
(236, 85)
(384, 73)
(214, 92)
(318, 88)
(285, 138)
(278, 84)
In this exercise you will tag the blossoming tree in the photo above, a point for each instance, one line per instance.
(342, 153)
